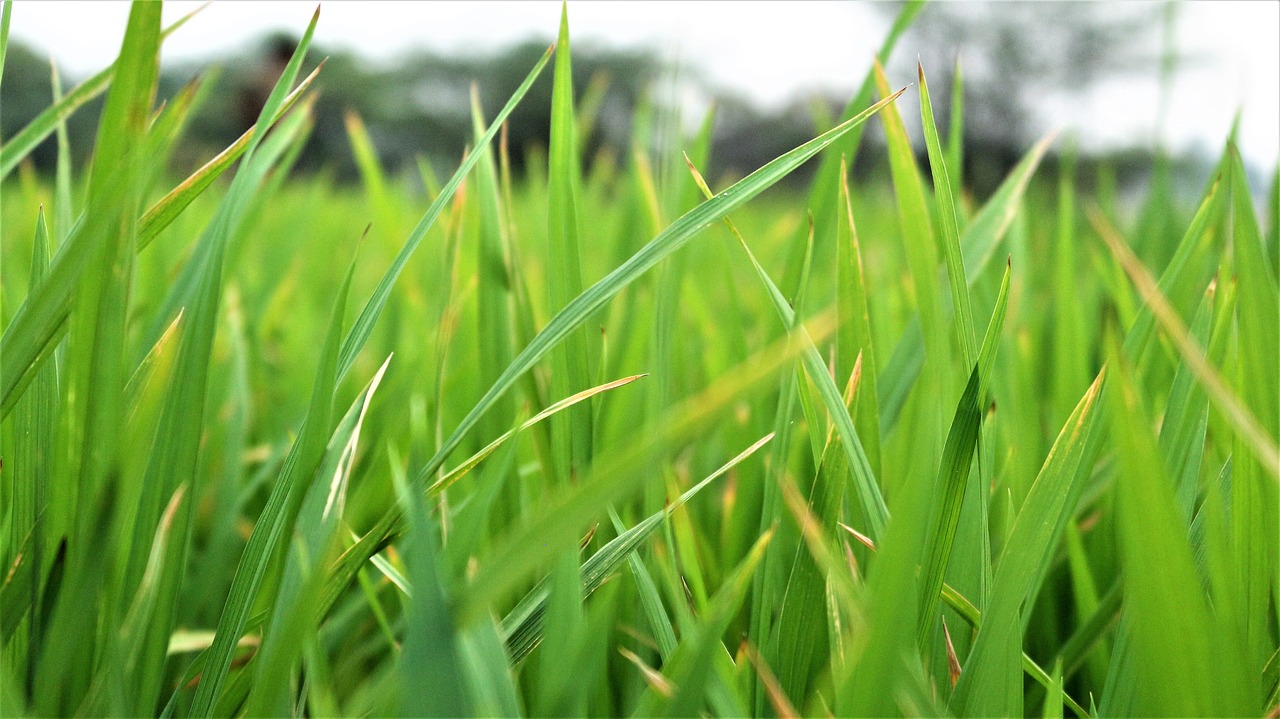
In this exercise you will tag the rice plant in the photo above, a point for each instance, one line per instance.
(621, 439)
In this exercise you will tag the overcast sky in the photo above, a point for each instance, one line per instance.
(769, 51)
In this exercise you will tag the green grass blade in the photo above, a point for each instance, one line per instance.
(854, 337)
(922, 259)
(615, 476)
(825, 209)
(461, 470)
(364, 323)
(864, 481)
(985, 684)
(946, 206)
(690, 670)
(34, 425)
(522, 626)
(39, 321)
(571, 432)
(278, 514)
(495, 292)
(161, 214)
(6, 14)
(1172, 635)
(982, 235)
(29, 137)
(595, 297)
(1254, 435)
(957, 459)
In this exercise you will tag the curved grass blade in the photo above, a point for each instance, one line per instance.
(854, 336)
(461, 470)
(1255, 436)
(161, 214)
(29, 137)
(986, 684)
(522, 627)
(864, 481)
(957, 460)
(363, 327)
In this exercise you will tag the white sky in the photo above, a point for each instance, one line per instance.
(769, 51)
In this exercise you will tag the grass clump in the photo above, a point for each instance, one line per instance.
(729, 452)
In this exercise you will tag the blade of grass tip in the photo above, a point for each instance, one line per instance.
(987, 683)
(1211, 205)
(864, 481)
(922, 254)
(371, 174)
(522, 626)
(1251, 431)
(978, 243)
(673, 238)
(161, 214)
(294, 615)
(571, 432)
(983, 234)
(363, 327)
(954, 473)
(29, 137)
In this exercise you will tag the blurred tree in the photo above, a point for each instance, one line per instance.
(1018, 57)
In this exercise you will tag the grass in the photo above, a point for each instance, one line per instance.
(618, 439)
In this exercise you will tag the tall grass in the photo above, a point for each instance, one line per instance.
(625, 440)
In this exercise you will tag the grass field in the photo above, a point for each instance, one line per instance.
(616, 441)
